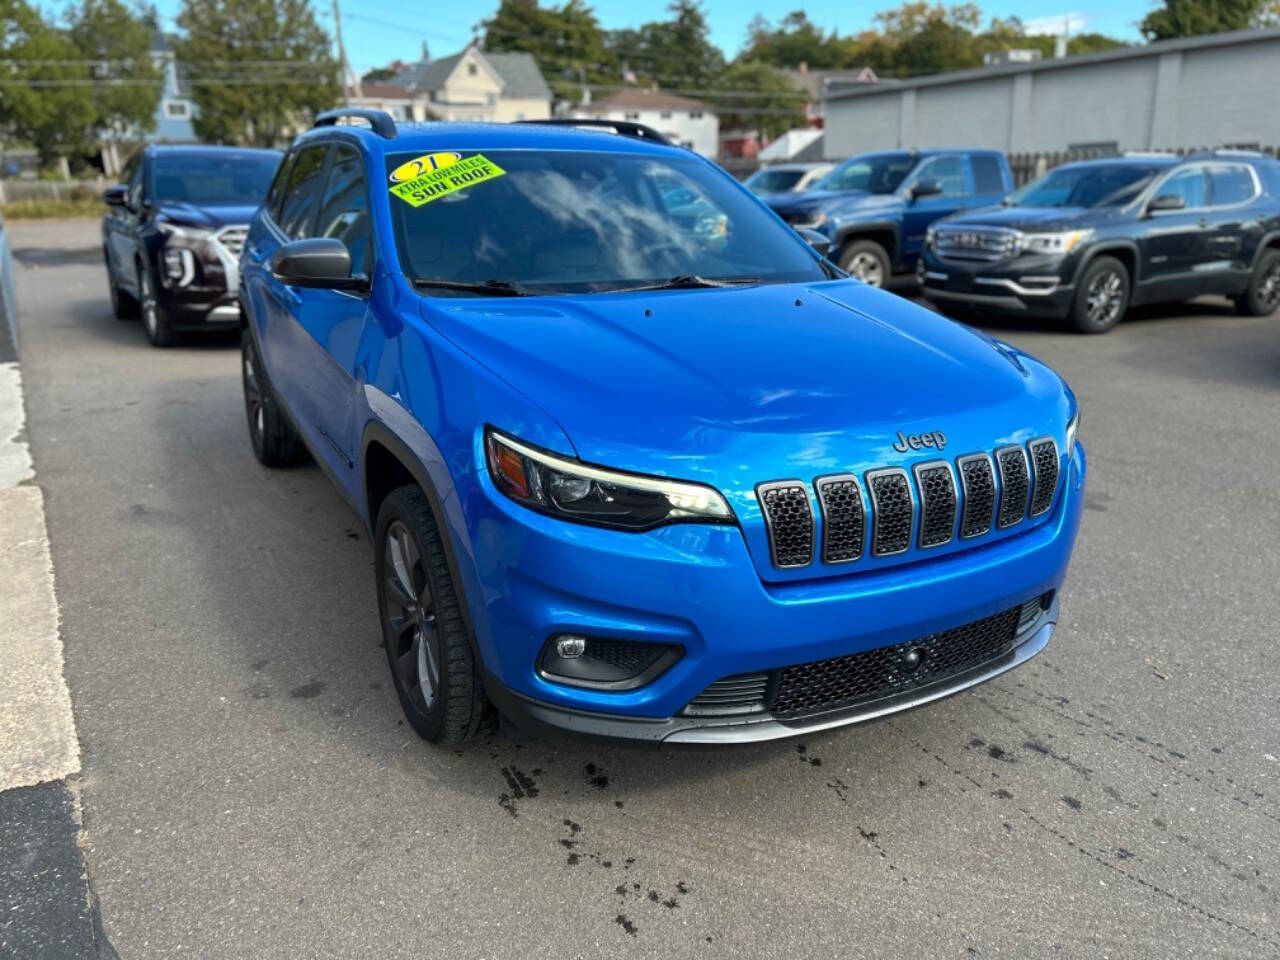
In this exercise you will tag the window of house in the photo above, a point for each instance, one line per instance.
(665, 115)
(472, 69)
(695, 114)
(177, 109)
(631, 116)
(491, 99)
(520, 116)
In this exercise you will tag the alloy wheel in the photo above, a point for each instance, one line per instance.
(1269, 288)
(148, 304)
(866, 268)
(409, 617)
(1105, 298)
(253, 396)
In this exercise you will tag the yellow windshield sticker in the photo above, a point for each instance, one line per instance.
(423, 164)
(432, 184)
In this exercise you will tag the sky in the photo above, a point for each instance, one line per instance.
(378, 31)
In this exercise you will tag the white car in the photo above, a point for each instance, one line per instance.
(785, 177)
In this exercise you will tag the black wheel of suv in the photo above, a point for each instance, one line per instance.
(273, 439)
(1102, 296)
(1262, 296)
(427, 641)
(866, 260)
(154, 321)
(123, 306)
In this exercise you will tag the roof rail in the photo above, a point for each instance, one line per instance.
(381, 122)
(624, 128)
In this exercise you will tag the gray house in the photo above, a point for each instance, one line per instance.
(475, 84)
(1202, 91)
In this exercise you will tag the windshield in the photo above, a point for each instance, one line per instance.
(562, 222)
(1110, 185)
(874, 173)
(213, 178)
(773, 181)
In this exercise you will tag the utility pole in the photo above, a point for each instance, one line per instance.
(342, 58)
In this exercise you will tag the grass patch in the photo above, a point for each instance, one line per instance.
(52, 209)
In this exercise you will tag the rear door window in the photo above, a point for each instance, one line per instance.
(987, 176)
(303, 190)
(1231, 185)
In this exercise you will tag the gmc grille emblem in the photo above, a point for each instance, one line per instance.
(937, 439)
(967, 239)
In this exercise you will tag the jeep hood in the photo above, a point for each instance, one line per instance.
(737, 386)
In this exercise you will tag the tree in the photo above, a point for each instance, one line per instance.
(258, 69)
(1187, 18)
(567, 43)
(795, 40)
(128, 84)
(44, 85)
(757, 96)
(673, 53)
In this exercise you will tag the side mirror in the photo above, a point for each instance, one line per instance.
(323, 262)
(117, 196)
(1166, 201)
(817, 240)
(925, 188)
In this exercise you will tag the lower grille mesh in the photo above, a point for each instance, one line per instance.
(741, 694)
(825, 685)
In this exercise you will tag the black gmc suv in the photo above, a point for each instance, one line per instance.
(1087, 240)
(173, 232)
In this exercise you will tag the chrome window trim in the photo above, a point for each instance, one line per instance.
(955, 492)
(1022, 452)
(1154, 190)
(869, 477)
(761, 490)
(822, 511)
(964, 490)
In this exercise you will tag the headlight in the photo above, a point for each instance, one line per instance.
(813, 219)
(1073, 426)
(576, 491)
(185, 233)
(1054, 242)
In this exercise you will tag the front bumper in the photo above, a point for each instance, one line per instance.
(528, 577)
(1032, 286)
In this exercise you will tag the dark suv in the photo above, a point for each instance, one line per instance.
(1088, 240)
(173, 232)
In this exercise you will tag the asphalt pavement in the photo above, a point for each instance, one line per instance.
(249, 789)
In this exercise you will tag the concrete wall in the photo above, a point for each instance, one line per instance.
(1200, 92)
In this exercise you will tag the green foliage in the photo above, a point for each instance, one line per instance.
(257, 69)
(567, 42)
(44, 91)
(760, 97)
(675, 52)
(129, 83)
(1187, 18)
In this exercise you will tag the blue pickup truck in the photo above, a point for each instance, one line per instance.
(876, 207)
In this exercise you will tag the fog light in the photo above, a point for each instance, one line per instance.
(570, 648)
(603, 663)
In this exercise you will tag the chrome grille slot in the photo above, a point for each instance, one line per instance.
(232, 239)
(844, 519)
(937, 502)
(744, 693)
(1015, 484)
(972, 243)
(1044, 472)
(788, 517)
(892, 509)
(978, 484)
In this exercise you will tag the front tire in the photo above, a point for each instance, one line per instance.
(867, 261)
(427, 641)
(1102, 296)
(1262, 296)
(154, 322)
(273, 439)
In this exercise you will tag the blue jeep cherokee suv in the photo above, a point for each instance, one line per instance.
(633, 479)
(875, 208)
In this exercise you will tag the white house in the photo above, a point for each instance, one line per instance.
(474, 85)
(690, 123)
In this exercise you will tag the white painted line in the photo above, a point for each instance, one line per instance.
(37, 732)
(15, 461)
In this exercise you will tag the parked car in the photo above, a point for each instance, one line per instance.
(876, 207)
(173, 232)
(627, 480)
(785, 178)
(1088, 240)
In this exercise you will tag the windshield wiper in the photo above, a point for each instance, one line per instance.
(494, 288)
(687, 281)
